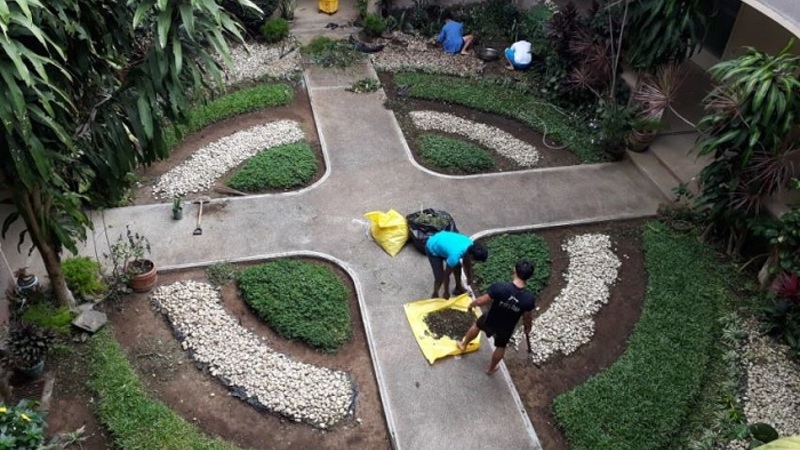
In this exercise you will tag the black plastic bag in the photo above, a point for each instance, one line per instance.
(420, 227)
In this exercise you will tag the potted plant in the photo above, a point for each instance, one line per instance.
(130, 265)
(28, 345)
(427, 222)
(652, 97)
(177, 208)
(26, 282)
(615, 125)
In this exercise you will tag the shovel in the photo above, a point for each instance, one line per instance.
(202, 201)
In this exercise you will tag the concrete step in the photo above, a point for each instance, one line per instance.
(658, 173)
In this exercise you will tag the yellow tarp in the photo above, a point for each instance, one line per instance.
(389, 229)
(434, 349)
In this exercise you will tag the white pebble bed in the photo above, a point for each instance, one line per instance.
(244, 363)
(568, 322)
(255, 60)
(206, 165)
(773, 383)
(503, 143)
(409, 52)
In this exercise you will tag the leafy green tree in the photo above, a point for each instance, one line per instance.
(87, 87)
(750, 130)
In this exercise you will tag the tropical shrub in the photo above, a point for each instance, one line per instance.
(283, 167)
(374, 25)
(751, 120)
(83, 276)
(299, 300)
(505, 251)
(252, 20)
(454, 154)
(275, 30)
(664, 31)
(21, 426)
(782, 315)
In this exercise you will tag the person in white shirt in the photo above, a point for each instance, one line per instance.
(519, 56)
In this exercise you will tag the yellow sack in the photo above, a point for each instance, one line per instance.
(432, 348)
(390, 230)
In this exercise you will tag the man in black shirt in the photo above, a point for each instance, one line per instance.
(509, 301)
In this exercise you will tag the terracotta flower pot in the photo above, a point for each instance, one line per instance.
(146, 277)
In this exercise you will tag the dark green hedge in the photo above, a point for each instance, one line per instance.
(299, 300)
(641, 402)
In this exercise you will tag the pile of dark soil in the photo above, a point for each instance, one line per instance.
(449, 322)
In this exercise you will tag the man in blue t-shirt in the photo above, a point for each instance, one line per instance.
(452, 36)
(510, 301)
(446, 251)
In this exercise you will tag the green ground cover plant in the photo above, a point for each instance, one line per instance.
(299, 300)
(230, 105)
(326, 52)
(447, 153)
(135, 420)
(642, 401)
(497, 99)
(50, 317)
(84, 276)
(21, 426)
(283, 167)
(505, 251)
(275, 30)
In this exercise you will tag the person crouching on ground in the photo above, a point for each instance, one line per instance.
(509, 301)
(447, 251)
(452, 36)
(518, 56)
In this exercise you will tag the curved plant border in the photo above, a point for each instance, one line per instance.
(640, 401)
(135, 420)
(490, 97)
(209, 163)
(230, 105)
(274, 382)
(593, 268)
(504, 143)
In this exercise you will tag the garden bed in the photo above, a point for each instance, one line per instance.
(298, 111)
(538, 386)
(403, 107)
(170, 376)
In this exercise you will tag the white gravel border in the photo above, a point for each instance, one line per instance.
(504, 143)
(247, 365)
(773, 383)
(206, 165)
(569, 321)
(254, 60)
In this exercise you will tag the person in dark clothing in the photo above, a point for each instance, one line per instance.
(446, 251)
(509, 301)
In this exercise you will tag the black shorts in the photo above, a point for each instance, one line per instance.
(500, 339)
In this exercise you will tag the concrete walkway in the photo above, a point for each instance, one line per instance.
(370, 168)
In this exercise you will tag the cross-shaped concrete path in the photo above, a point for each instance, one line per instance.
(451, 404)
